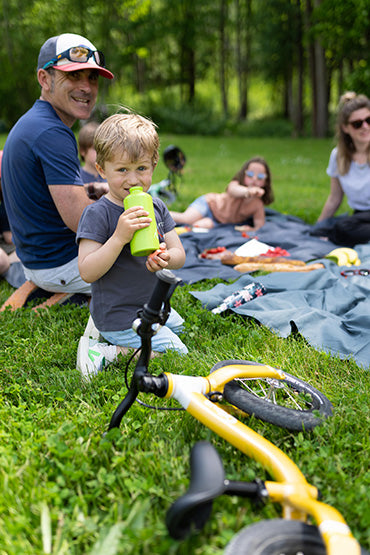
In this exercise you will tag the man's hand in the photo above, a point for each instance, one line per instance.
(96, 189)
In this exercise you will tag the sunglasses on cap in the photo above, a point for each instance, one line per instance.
(356, 272)
(79, 54)
(249, 173)
(358, 123)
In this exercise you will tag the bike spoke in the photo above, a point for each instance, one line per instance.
(276, 393)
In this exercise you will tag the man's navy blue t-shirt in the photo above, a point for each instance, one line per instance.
(40, 151)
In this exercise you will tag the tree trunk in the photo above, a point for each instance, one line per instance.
(318, 74)
(140, 67)
(187, 51)
(224, 57)
(243, 48)
(289, 96)
(299, 116)
(321, 126)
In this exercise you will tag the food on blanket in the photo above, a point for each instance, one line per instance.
(344, 256)
(182, 229)
(277, 251)
(216, 249)
(253, 247)
(351, 255)
(276, 267)
(214, 253)
(231, 259)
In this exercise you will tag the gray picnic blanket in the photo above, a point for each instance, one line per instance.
(288, 232)
(301, 240)
(331, 311)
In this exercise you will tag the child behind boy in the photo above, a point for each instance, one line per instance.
(127, 153)
(89, 174)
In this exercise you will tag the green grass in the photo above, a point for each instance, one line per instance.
(67, 489)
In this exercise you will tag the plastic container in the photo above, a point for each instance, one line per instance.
(248, 293)
(145, 241)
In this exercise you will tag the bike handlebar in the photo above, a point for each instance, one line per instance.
(150, 314)
(167, 281)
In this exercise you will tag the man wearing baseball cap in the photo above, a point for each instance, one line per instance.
(42, 188)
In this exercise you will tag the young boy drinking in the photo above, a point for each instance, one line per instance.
(126, 155)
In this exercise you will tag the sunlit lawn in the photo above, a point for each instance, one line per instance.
(65, 485)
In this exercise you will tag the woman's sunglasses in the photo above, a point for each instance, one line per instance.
(356, 272)
(358, 123)
(79, 54)
(249, 173)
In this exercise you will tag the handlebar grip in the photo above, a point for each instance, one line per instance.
(166, 279)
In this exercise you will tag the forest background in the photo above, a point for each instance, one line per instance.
(243, 72)
(249, 67)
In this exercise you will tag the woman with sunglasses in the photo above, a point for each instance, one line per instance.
(349, 170)
(242, 203)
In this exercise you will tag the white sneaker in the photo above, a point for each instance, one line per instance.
(91, 330)
(93, 357)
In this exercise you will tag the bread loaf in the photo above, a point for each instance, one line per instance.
(231, 259)
(276, 267)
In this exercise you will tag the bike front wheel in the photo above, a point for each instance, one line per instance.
(290, 403)
(278, 537)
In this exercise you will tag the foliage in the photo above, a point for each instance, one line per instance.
(184, 119)
(228, 48)
(343, 28)
(278, 26)
(69, 489)
(265, 127)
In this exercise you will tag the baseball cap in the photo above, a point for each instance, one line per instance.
(63, 43)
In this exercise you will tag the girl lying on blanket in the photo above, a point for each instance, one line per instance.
(245, 198)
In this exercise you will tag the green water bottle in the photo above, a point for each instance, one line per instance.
(145, 241)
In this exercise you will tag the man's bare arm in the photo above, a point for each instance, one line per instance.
(70, 201)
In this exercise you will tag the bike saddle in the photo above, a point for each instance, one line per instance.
(207, 481)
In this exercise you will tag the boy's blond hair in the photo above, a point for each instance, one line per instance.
(86, 137)
(129, 133)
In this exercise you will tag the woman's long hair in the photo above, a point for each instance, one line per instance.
(349, 102)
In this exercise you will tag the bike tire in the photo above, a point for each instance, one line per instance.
(278, 537)
(290, 403)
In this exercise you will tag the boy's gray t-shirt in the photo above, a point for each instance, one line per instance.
(123, 290)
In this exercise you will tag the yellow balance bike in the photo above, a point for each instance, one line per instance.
(271, 395)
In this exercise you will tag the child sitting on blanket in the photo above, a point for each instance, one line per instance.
(245, 198)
